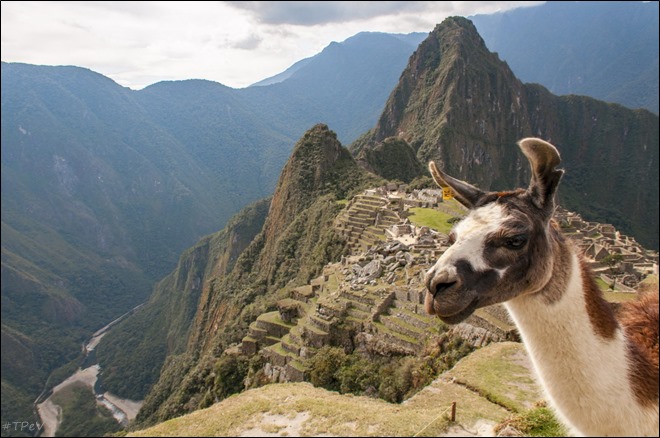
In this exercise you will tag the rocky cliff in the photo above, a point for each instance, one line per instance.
(459, 104)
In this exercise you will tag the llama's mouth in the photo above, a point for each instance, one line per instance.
(449, 304)
(460, 316)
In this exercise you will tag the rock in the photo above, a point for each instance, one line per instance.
(371, 271)
(509, 431)
(475, 336)
(389, 259)
(393, 267)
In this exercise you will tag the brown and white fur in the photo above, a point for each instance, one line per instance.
(600, 374)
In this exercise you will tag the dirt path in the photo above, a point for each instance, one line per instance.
(481, 428)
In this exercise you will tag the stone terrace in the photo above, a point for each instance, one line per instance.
(365, 220)
(598, 241)
(371, 303)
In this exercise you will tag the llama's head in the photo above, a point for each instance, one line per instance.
(502, 248)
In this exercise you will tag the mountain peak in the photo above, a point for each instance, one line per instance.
(319, 168)
(458, 104)
(446, 76)
(318, 165)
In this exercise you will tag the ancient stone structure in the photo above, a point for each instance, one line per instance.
(372, 300)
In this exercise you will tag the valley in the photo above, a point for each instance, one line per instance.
(51, 413)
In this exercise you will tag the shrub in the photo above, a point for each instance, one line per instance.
(230, 372)
(324, 367)
(393, 379)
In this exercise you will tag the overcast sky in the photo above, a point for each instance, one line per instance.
(235, 43)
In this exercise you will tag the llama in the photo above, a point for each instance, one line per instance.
(599, 373)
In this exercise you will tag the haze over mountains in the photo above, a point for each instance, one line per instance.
(104, 187)
(620, 64)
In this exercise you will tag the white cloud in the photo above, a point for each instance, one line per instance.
(309, 13)
(234, 43)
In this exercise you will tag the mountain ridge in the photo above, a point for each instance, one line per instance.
(296, 240)
(460, 105)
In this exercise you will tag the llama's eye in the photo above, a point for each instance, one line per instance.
(516, 242)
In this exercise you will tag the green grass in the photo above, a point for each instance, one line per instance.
(274, 318)
(500, 373)
(332, 284)
(602, 284)
(434, 219)
(538, 421)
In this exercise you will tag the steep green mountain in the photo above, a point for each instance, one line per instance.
(459, 104)
(604, 49)
(103, 187)
(393, 159)
(206, 304)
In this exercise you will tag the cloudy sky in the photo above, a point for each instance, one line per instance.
(235, 43)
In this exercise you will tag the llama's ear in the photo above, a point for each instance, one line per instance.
(465, 193)
(543, 159)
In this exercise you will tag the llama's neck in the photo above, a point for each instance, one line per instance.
(581, 355)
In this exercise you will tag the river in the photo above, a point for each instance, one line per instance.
(123, 410)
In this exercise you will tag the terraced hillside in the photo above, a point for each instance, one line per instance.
(372, 300)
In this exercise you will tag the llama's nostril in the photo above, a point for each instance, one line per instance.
(441, 287)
